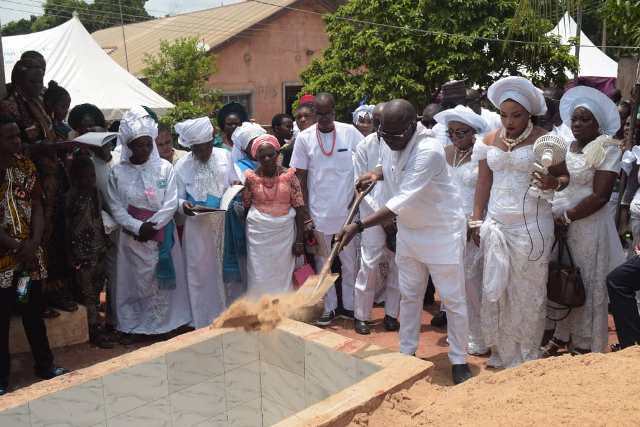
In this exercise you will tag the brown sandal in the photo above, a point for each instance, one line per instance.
(553, 347)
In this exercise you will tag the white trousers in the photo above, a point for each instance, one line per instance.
(449, 281)
(369, 280)
(348, 259)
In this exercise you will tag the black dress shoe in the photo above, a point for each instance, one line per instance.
(390, 323)
(439, 320)
(362, 327)
(47, 374)
(4, 387)
(460, 373)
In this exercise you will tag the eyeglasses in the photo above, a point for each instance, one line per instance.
(391, 136)
(458, 134)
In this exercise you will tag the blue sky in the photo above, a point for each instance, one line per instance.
(24, 8)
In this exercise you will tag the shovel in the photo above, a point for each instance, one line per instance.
(318, 285)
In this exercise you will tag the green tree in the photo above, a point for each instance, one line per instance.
(416, 45)
(95, 16)
(623, 25)
(179, 72)
(22, 26)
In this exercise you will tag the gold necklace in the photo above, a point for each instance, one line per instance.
(512, 143)
(458, 161)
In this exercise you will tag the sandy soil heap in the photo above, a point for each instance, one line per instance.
(594, 389)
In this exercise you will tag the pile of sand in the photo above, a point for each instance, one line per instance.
(594, 389)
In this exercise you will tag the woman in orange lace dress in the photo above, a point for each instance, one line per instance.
(275, 224)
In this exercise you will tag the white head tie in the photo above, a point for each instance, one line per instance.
(520, 90)
(194, 131)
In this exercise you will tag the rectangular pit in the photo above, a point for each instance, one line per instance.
(296, 375)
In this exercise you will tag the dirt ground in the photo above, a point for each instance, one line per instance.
(589, 390)
(433, 347)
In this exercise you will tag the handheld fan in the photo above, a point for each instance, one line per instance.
(549, 150)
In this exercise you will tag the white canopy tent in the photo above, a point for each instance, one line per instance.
(79, 64)
(593, 61)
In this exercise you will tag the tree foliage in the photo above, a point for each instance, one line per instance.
(179, 73)
(623, 25)
(94, 16)
(416, 45)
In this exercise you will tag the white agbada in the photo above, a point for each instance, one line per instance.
(466, 178)
(330, 179)
(593, 241)
(373, 250)
(141, 306)
(203, 237)
(431, 237)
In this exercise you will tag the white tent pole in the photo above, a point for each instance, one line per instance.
(3, 87)
(124, 39)
(578, 34)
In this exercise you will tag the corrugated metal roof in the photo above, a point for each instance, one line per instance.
(212, 26)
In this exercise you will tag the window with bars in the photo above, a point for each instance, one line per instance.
(241, 98)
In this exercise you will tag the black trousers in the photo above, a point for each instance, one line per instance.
(33, 323)
(622, 284)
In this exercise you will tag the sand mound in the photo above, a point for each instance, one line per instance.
(594, 389)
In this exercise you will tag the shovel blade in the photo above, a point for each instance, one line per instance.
(315, 287)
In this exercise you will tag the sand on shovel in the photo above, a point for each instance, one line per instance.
(267, 312)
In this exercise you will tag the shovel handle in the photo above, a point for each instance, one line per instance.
(352, 213)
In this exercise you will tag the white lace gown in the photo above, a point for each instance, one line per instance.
(142, 307)
(516, 239)
(596, 250)
(466, 177)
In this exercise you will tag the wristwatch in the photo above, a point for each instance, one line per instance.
(360, 226)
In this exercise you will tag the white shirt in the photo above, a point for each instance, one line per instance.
(431, 222)
(103, 170)
(150, 186)
(200, 180)
(366, 159)
(330, 178)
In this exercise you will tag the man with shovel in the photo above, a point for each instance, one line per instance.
(431, 227)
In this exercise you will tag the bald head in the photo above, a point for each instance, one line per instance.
(325, 99)
(377, 115)
(398, 123)
(427, 115)
(325, 106)
(398, 111)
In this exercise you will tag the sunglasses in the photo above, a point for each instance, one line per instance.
(395, 136)
(458, 134)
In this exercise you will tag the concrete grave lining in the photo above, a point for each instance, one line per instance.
(295, 375)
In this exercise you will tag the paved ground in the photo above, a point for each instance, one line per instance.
(433, 347)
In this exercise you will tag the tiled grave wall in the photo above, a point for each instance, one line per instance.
(232, 379)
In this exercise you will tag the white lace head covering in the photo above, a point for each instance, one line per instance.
(241, 138)
(464, 115)
(363, 111)
(194, 131)
(599, 104)
(135, 123)
(520, 90)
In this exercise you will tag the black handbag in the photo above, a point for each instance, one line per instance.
(564, 286)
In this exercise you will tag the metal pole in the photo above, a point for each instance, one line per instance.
(3, 87)
(124, 39)
(578, 33)
(604, 35)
